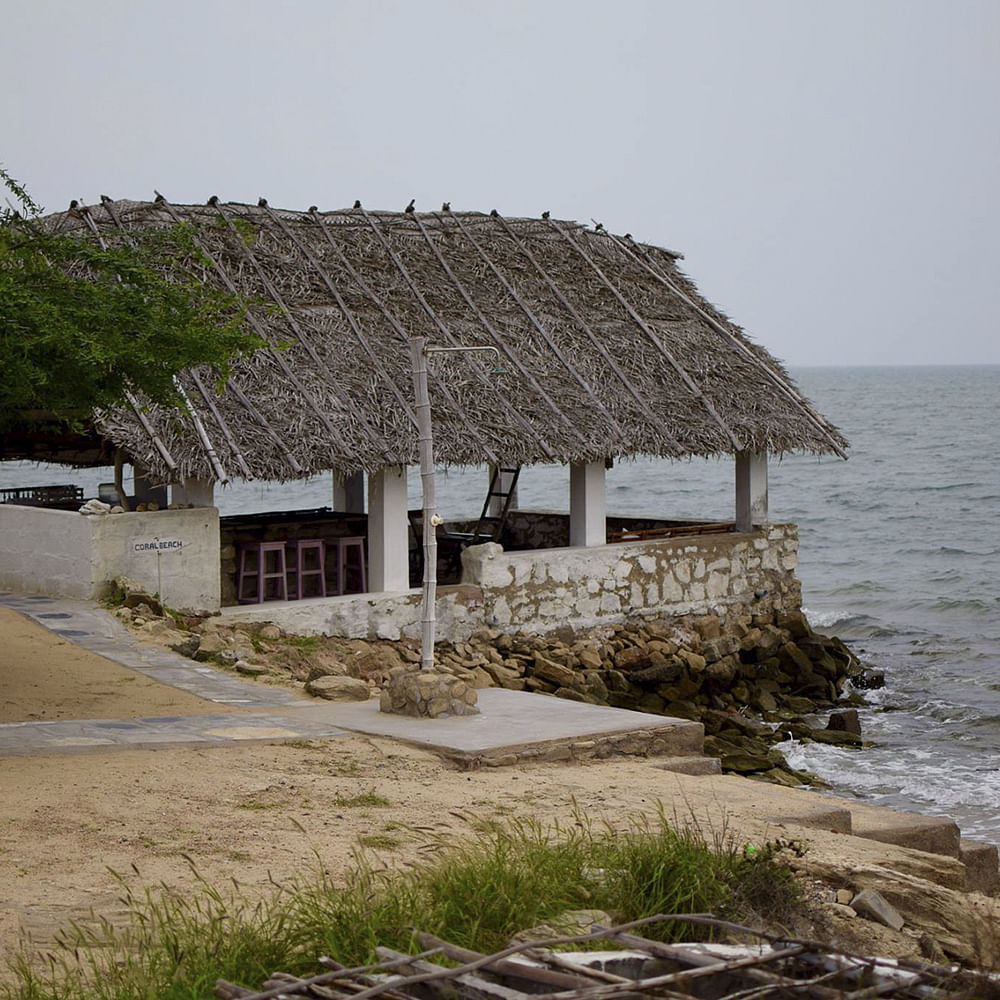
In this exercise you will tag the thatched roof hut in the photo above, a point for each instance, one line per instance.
(606, 348)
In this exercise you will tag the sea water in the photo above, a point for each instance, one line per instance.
(899, 556)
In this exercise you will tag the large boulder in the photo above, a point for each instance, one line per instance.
(338, 688)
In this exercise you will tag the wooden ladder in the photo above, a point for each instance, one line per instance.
(490, 526)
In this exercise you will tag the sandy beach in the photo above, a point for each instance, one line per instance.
(270, 814)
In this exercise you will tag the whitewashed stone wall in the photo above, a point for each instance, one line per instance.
(392, 615)
(540, 590)
(173, 553)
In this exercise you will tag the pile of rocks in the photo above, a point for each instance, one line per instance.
(428, 694)
(752, 681)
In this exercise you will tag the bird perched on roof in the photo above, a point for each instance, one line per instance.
(446, 206)
(313, 208)
(357, 204)
(214, 200)
(545, 215)
(409, 208)
(494, 213)
(598, 226)
(262, 203)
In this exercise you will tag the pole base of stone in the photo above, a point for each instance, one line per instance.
(427, 694)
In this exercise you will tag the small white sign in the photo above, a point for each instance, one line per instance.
(159, 545)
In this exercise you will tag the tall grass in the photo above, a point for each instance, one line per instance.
(476, 894)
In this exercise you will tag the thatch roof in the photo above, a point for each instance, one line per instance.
(606, 348)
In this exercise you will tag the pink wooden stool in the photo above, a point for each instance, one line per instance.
(355, 545)
(309, 564)
(262, 573)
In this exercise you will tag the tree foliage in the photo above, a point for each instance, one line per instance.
(81, 324)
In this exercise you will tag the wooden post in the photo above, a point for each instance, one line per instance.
(425, 440)
(751, 489)
(145, 490)
(587, 515)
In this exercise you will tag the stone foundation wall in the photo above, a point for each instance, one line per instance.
(538, 591)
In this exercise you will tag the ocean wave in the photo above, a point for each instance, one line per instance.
(946, 487)
(826, 619)
(923, 781)
(853, 625)
(974, 604)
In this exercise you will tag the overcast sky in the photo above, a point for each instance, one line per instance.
(829, 169)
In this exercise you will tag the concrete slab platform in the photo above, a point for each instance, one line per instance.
(524, 726)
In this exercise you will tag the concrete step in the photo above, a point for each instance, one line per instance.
(690, 765)
(981, 866)
(933, 834)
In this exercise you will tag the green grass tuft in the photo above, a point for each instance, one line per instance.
(371, 799)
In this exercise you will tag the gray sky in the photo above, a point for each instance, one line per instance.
(830, 170)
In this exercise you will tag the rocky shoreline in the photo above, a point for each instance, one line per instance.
(752, 681)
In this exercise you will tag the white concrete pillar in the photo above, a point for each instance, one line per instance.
(495, 508)
(587, 504)
(388, 530)
(196, 492)
(751, 489)
(349, 493)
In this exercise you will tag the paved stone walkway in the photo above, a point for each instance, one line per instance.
(275, 713)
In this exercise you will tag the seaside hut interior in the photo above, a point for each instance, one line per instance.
(600, 350)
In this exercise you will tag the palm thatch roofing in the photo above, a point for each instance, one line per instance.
(606, 349)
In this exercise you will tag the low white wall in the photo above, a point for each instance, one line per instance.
(541, 590)
(173, 553)
(45, 552)
(387, 615)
